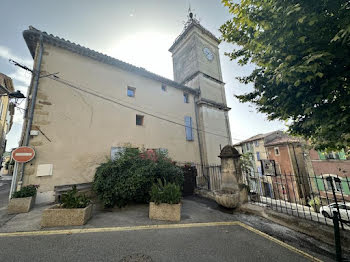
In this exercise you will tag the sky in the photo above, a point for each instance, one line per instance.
(136, 31)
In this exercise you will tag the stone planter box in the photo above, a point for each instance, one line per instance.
(56, 216)
(169, 212)
(20, 205)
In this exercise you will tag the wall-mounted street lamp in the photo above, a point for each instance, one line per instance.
(12, 95)
(16, 95)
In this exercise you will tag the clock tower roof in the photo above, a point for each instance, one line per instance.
(189, 25)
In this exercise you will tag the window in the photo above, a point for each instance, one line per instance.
(259, 170)
(257, 155)
(116, 152)
(131, 91)
(256, 142)
(164, 87)
(247, 146)
(139, 120)
(335, 181)
(340, 155)
(333, 155)
(188, 128)
(186, 98)
(278, 170)
(277, 151)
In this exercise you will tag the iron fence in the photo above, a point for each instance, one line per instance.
(315, 198)
(208, 176)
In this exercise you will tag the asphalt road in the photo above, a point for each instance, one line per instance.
(221, 243)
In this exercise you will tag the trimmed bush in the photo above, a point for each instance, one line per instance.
(72, 199)
(168, 193)
(26, 191)
(131, 175)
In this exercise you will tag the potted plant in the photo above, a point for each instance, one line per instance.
(165, 201)
(74, 210)
(23, 200)
(315, 204)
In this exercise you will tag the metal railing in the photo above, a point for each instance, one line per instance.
(310, 197)
(208, 176)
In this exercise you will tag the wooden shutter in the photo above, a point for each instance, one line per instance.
(188, 128)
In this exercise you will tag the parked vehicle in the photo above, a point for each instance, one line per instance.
(344, 209)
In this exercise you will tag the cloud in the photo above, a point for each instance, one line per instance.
(6, 53)
(21, 88)
(18, 116)
(21, 80)
(21, 76)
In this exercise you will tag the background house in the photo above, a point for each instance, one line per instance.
(336, 166)
(255, 147)
(6, 109)
(291, 182)
(281, 166)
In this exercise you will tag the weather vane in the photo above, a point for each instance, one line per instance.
(191, 17)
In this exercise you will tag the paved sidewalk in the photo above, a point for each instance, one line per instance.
(133, 215)
(194, 210)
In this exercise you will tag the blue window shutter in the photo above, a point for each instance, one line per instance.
(188, 128)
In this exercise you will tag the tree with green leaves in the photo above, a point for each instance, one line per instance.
(301, 49)
(246, 161)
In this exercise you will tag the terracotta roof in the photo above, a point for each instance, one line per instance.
(31, 36)
(189, 25)
(284, 140)
(256, 137)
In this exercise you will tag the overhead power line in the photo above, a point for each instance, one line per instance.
(53, 76)
(101, 96)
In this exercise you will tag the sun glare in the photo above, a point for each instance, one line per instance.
(145, 49)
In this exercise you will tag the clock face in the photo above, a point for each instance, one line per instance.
(208, 54)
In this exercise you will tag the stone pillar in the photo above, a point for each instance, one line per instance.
(232, 192)
(229, 169)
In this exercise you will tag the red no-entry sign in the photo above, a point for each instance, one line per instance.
(23, 154)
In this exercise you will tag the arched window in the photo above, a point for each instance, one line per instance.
(332, 179)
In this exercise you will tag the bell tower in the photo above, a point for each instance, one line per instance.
(196, 64)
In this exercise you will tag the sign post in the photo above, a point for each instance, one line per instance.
(21, 154)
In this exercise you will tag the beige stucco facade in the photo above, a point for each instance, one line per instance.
(6, 111)
(82, 128)
(86, 111)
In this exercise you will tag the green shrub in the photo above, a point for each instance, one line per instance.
(131, 175)
(26, 191)
(72, 199)
(315, 203)
(8, 164)
(168, 193)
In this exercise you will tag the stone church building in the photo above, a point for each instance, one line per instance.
(88, 105)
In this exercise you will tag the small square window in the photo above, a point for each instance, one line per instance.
(163, 87)
(277, 151)
(139, 120)
(186, 98)
(131, 91)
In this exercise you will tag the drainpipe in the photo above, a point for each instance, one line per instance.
(197, 126)
(30, 113)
